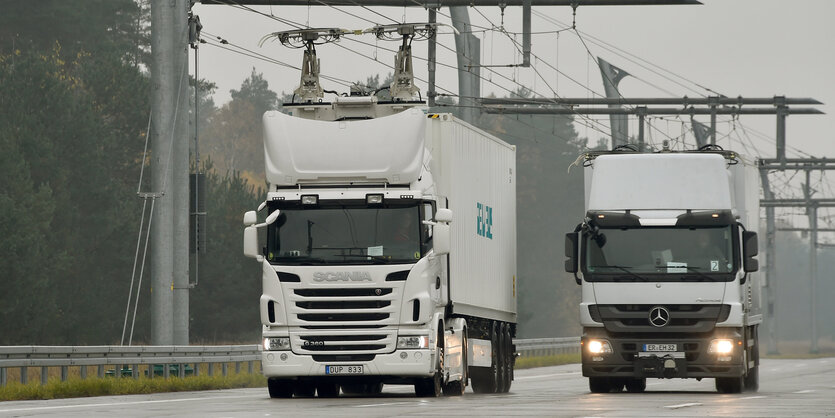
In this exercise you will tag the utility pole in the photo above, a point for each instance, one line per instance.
(468, 48)
(169, 133)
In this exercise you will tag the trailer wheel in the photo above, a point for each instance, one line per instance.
(279, 388)
(508, 358)
(486, 380)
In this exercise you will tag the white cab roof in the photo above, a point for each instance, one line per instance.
(659, 182)
(387, 149)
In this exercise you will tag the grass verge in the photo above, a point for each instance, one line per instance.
(542, 361)
(76, 387)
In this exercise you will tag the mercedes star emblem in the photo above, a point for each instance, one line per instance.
(659, 316)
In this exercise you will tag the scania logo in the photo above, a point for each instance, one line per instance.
(345, 276)
(659, 316)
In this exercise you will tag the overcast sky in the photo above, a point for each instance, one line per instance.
(754, 48)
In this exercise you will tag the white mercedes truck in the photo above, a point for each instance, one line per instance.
(665, 258)
(387, 246)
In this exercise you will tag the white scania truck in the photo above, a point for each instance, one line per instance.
(665, 258)
(390, 252)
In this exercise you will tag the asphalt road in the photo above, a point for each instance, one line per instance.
(802, 388)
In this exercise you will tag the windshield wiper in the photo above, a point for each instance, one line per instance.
(299, 259)
(382, 258)
(624, 269)
(702, 277)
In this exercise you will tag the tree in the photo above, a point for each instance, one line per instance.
(549, 203)
(234, 136)
(91, 25)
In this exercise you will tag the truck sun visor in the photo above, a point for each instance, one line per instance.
(706, 218)
(613, 219)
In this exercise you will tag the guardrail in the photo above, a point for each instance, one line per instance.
(160, 360)
(547, 346)
(180, 360)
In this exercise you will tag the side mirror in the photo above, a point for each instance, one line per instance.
(443, 215)
(571, 252)
(251, 243)
(251, 233)
(441, 239)
(750, 243)
(250, 218)
(750, 250)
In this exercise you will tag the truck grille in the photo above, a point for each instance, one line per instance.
(344, 321)
(683, 318)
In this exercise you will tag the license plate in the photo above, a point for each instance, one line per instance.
(661, 347)
(343, 369)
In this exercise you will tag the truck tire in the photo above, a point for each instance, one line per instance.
(458, 387)
(431, 387)
(507, 358)
(279, 388)
(501, 357)
(599, 385)
(729, 384)
(327, 390)
(752, 379)
(486, 379)
(304, 389)
(637, 385)
(363, 389)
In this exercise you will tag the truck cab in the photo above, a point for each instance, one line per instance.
(665, 257)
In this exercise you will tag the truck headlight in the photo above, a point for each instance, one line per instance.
(599, 347)
(412, 342)
(276, 343)
(721, 346)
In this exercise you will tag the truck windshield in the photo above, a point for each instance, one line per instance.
(660, 253)
(346, 234)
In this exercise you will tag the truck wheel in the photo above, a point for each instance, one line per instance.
(374, 388)
(458, 387)
(501, 357)
(279, 388)
(599, 385)
(508, 357)
(636, 385)
(729, 384)
(328, 390)
(304, 389)
(431, 387)
(752, 379)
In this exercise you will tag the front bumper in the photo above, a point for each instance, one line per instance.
(286, 364)
(691, 360)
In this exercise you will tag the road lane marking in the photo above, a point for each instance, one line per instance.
(805, 391)
(540, 376)
(683, 405)
(372, 405)
(754, 397)
(94, 405)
